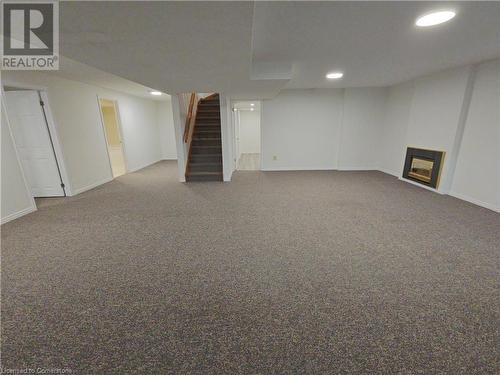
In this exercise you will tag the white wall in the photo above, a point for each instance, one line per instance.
(140, 130)
(77, 118)
(249, 132)
(362, 126)
(395, 125)
(16, 198)
(435, 115)
(166, 129)
(301, 128)
(227, 137)
(323, 129)
(455, 111)
(477, 173)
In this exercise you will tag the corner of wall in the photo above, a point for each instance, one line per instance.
(178, 127)
(457, 142)
(227, 137)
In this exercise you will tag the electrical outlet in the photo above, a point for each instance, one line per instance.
(275, 157)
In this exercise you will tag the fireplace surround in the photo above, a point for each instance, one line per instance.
(423, 166)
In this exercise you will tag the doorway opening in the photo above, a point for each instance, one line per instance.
(247, 135)
(113, 135)
(35, 140)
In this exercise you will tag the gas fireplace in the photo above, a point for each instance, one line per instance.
(423, 166)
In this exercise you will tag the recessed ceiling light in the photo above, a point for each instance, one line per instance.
(435, 18)
(334, 75)
(251, 104)
(155, 93)
(251, 109)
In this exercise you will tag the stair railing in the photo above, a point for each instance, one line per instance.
(191, 117)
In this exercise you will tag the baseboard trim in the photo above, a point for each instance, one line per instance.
(477, 202)
(143, 166)
(279, 169)
(18, 214)
(91, 186)
(346, 169)
(392, 173)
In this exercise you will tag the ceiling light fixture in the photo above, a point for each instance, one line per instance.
(435, 18)
(251, 104)
(251, 109)
(334, 75)
(155, 93)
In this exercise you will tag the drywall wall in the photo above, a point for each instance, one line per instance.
(323, 129)
(362, 124)
(435, 116)
(167, 130)
(180, 105)
(77, 118)
(477, 172)
(249, 132)
(300, 129)
(16, 199)
(227, 137)
(395, 126)
(140, 131)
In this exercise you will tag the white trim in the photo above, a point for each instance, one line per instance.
(91, 186)
(278, 169)
(475, 201)
(387, 171)
(357, 169)
(109, 179)
(18, 214)
(144, 166)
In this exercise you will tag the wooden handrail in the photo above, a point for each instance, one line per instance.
(189, 118)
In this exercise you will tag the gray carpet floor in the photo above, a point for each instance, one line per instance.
(274, 273)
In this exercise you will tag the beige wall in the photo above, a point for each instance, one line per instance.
(111, 125)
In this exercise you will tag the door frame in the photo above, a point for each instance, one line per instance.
(120, 132)
(51, 128)
(236, 120)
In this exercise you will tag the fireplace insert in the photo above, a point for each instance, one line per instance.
(423, 166)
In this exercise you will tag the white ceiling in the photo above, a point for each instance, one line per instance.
(253, 50)
(373, 43)
(77, 71)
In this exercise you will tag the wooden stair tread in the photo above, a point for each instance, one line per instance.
(205, 157)
(206, 163)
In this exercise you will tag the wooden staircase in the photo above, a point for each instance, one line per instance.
(205, 153)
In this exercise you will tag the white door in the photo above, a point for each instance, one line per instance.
(33, 143)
